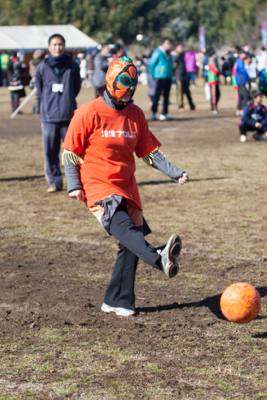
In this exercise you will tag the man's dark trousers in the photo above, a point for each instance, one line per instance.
(162, 85)
(243, 97)
(53, 133)
(183, 88)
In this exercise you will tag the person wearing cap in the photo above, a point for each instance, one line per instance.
(99, 164)
(242, 80)
(254, 118)
(58, 83)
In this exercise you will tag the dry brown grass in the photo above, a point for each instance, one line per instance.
(177, 347)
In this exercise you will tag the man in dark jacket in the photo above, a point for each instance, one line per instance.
(254, 118)
(180, 74)
(58, 83)
(101, 64)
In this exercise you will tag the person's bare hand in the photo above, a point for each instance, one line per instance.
(258, 125)
(77, 194)
(184, 178)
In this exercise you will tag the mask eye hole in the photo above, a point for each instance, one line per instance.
(125, 80)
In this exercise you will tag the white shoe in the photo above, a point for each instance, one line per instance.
(214, 112)
(169, 254)
(243, 138)
(118, 310)
(165, 117)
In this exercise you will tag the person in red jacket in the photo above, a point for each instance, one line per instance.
(213, 81)
(99, 163)
(235, 86)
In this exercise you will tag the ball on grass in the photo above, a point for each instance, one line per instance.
(240, 303)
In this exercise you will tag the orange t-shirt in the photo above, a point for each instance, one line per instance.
(106, 140)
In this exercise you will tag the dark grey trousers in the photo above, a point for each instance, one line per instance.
(53, 133)
(132, 246)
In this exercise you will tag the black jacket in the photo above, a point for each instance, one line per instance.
(58, 106)
(180, 72)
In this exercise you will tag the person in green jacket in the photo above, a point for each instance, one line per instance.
(4, 60)
(161, 69)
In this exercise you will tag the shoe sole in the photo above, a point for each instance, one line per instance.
(174, 250)
(174, 247)
(117, 310)
(173, 269)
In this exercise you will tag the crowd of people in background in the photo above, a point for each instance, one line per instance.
(169, 65)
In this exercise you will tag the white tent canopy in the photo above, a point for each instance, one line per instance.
(34, 37)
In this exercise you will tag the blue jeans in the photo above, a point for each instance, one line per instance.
(52, 135)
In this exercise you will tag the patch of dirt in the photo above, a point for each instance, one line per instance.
(56, 262)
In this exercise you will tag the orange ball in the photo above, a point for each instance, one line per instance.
(240, 303)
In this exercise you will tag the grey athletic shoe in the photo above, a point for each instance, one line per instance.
(169, 254)
(118, 310)
(256, 136)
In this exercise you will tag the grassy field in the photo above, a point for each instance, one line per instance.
(56, 262)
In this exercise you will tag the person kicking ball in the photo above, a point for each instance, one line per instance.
(99, 164)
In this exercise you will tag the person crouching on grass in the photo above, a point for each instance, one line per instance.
(254, 118)
(99, 164)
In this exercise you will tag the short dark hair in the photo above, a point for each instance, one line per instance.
(162, 40)
(256, 93)
(54, 36)
(210, 52)
(118, 47)
(242, 51)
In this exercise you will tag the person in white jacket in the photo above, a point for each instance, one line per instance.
(261, 59)
(83, 67)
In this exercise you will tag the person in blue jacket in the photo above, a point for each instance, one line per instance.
(58, 83)
(254, 118)
(161, 69)
(242, 80)
(263, 80)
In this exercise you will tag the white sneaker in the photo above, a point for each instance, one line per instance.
(118, 310)
(243, 138)
(165, 117)
(169, 254)
(214, 112)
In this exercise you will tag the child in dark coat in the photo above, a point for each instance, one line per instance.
(254, 118)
